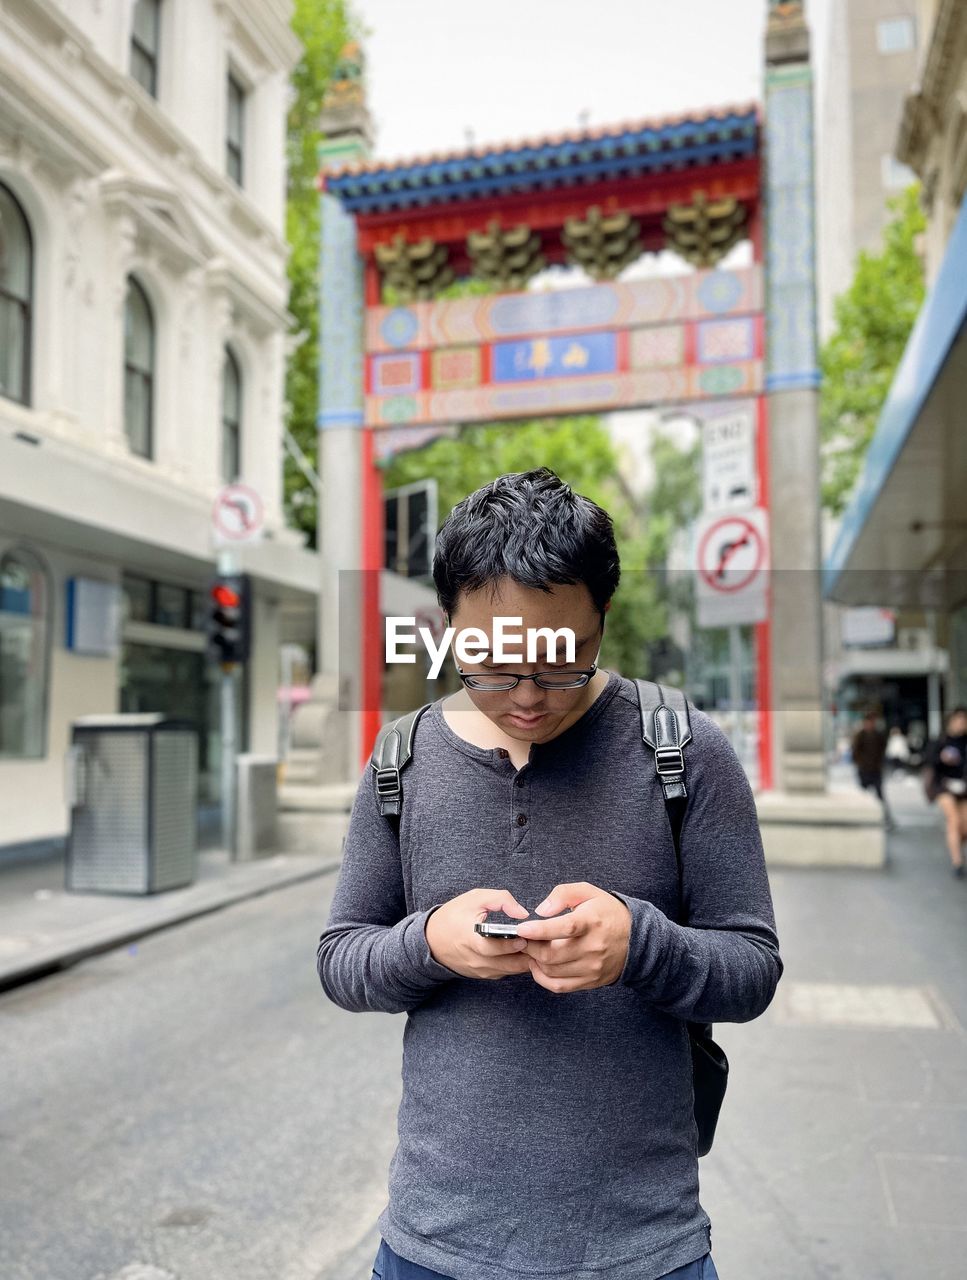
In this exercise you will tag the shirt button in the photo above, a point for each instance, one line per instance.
(522, 819)
(502, 754)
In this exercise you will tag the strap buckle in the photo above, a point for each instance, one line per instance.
(388, 782)
(669, 761)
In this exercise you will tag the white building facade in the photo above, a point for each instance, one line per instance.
(142, 357)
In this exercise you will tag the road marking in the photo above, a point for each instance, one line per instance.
(142, 1271)
(835, 1004)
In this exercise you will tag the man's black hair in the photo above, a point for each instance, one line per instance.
(529, 526)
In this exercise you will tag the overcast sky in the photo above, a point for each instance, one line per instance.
(510, 69)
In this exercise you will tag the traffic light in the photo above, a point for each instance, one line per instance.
(230, 618)
(409, 527)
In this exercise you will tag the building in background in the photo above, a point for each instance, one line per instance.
(142, 348)
(871, 59)
(902, 543)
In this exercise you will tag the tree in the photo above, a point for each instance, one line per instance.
(874, 318)
(324, 27)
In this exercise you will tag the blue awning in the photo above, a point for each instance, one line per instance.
(907, 517)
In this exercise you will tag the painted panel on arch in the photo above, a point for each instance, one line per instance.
(664, 340)
(539, 358)
(624, 305)
(598, 392)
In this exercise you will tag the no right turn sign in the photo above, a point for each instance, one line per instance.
(732, 553)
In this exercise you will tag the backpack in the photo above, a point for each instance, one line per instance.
(666, 730)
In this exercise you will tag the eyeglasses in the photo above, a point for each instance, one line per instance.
(495, 681)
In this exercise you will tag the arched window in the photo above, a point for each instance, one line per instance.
(16, 290)
(231, 418)
(24, 654)
(138, 370)
(146, 44)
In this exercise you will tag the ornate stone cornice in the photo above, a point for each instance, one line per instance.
(925, 108)
(944, 54)
(261, 315)
(263, 27)
(161, 218)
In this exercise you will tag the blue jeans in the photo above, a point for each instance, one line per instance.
(390, 1266)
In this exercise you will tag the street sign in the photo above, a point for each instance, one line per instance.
(237, 516)
(732, 554)
(728, 462)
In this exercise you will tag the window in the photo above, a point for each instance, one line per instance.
(231, 418)
(16, 286)
(896, 35)
(136, 594)
(170, 606)
(24, 654)
(895, 176)
(163, 604)
(235, 129)
(145, 30)
(138, 369)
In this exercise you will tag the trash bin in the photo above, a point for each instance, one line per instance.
(133, 788)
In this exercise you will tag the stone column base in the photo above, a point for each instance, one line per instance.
(321, 736)
(827, 829)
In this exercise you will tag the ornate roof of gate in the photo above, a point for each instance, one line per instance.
(695, 140)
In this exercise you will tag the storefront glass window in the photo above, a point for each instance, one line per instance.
(24, 653)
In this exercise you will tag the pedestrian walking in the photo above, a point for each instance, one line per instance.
(946, 782)
(897, 750)
(868, 750)
(548, 1123)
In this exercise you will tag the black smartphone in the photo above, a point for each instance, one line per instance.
(493, 929)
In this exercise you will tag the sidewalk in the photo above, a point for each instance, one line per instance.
(43, 927)
(842, 1148)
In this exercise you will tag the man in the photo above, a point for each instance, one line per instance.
(868, 750)
(546, 1126)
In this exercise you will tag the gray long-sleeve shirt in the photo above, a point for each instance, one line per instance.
(540, 1134)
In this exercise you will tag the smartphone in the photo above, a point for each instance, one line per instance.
(491, 929)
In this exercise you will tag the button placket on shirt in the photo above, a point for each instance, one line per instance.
(520, 797)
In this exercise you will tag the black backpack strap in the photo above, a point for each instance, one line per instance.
(392, 752)
(667, 730)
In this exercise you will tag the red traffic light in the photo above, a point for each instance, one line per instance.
(226, 597)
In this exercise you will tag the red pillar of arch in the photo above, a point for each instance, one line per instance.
(371, 499)
(763, 630)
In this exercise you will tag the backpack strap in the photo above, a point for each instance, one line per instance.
(667, 729)
(392, 752)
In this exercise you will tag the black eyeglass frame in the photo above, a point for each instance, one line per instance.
(511, 682)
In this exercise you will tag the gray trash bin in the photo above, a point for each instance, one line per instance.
(133, 782)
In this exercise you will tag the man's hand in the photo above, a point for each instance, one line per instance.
(584, 949)
(453, 942)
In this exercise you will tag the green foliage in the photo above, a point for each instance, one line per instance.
(638, 623)
(582, 453)
(578, 449)
(324, 27)
(874, 318)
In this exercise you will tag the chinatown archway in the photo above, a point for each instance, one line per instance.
(706, 340)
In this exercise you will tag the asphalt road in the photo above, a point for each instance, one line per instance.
(194, 1107)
